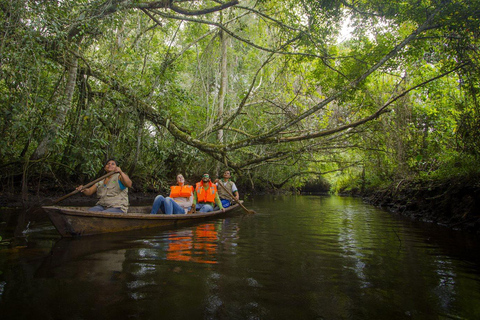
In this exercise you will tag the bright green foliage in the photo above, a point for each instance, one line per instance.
(384, 104)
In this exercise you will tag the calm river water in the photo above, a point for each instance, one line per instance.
(299, 257)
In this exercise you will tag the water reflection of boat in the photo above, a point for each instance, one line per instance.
(99, 257)
(75, 221)
(195, 245)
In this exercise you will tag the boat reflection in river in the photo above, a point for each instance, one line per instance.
(302, 257)
(106, 254)
(197, 245)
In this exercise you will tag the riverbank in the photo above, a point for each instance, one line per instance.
(454, 202)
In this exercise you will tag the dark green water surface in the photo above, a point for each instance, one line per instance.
(299, 257)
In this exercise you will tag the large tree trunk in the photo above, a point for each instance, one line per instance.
(402, 118)
(77, 120)
(141, 122)
(223, 84)
(61, 115)
(58, 123)
(223, 88)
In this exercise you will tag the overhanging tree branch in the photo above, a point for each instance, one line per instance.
(279, 185)
(375, 115)
(272, 135)
(239, 38)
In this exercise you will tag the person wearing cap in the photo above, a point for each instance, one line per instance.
(112, 192)
(205, 196)
(179, 202)
(229, 185)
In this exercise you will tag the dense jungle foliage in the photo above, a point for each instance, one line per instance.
(350, 95)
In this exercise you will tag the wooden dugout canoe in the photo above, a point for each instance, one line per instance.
(78, 221)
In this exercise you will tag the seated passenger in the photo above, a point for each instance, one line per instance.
(179, 202)
(206, 196)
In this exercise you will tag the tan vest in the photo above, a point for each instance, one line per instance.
(222, 193)
(111, 195)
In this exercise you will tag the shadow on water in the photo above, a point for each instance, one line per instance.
(302, 257)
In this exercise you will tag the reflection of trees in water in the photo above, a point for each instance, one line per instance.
(110, 274)
(305, 257)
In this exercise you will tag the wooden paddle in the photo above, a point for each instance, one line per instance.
(23, 225)
(84, 187)
(233, 198)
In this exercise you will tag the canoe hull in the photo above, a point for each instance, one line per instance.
(78, 221)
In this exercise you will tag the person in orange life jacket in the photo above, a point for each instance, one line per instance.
(112, 191)
(206, 196)
(179, 202)
(230, 186)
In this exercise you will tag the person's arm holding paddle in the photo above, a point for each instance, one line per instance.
(111, 166)
(232, 197)
(235, 193)
(229, 186)
(87, 191)
(124, 178)
(112, 192)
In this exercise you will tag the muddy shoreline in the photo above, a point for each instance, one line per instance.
(453, 203)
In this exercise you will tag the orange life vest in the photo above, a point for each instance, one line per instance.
(206, 195)
(181, 191)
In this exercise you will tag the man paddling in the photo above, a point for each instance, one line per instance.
(230, 186)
